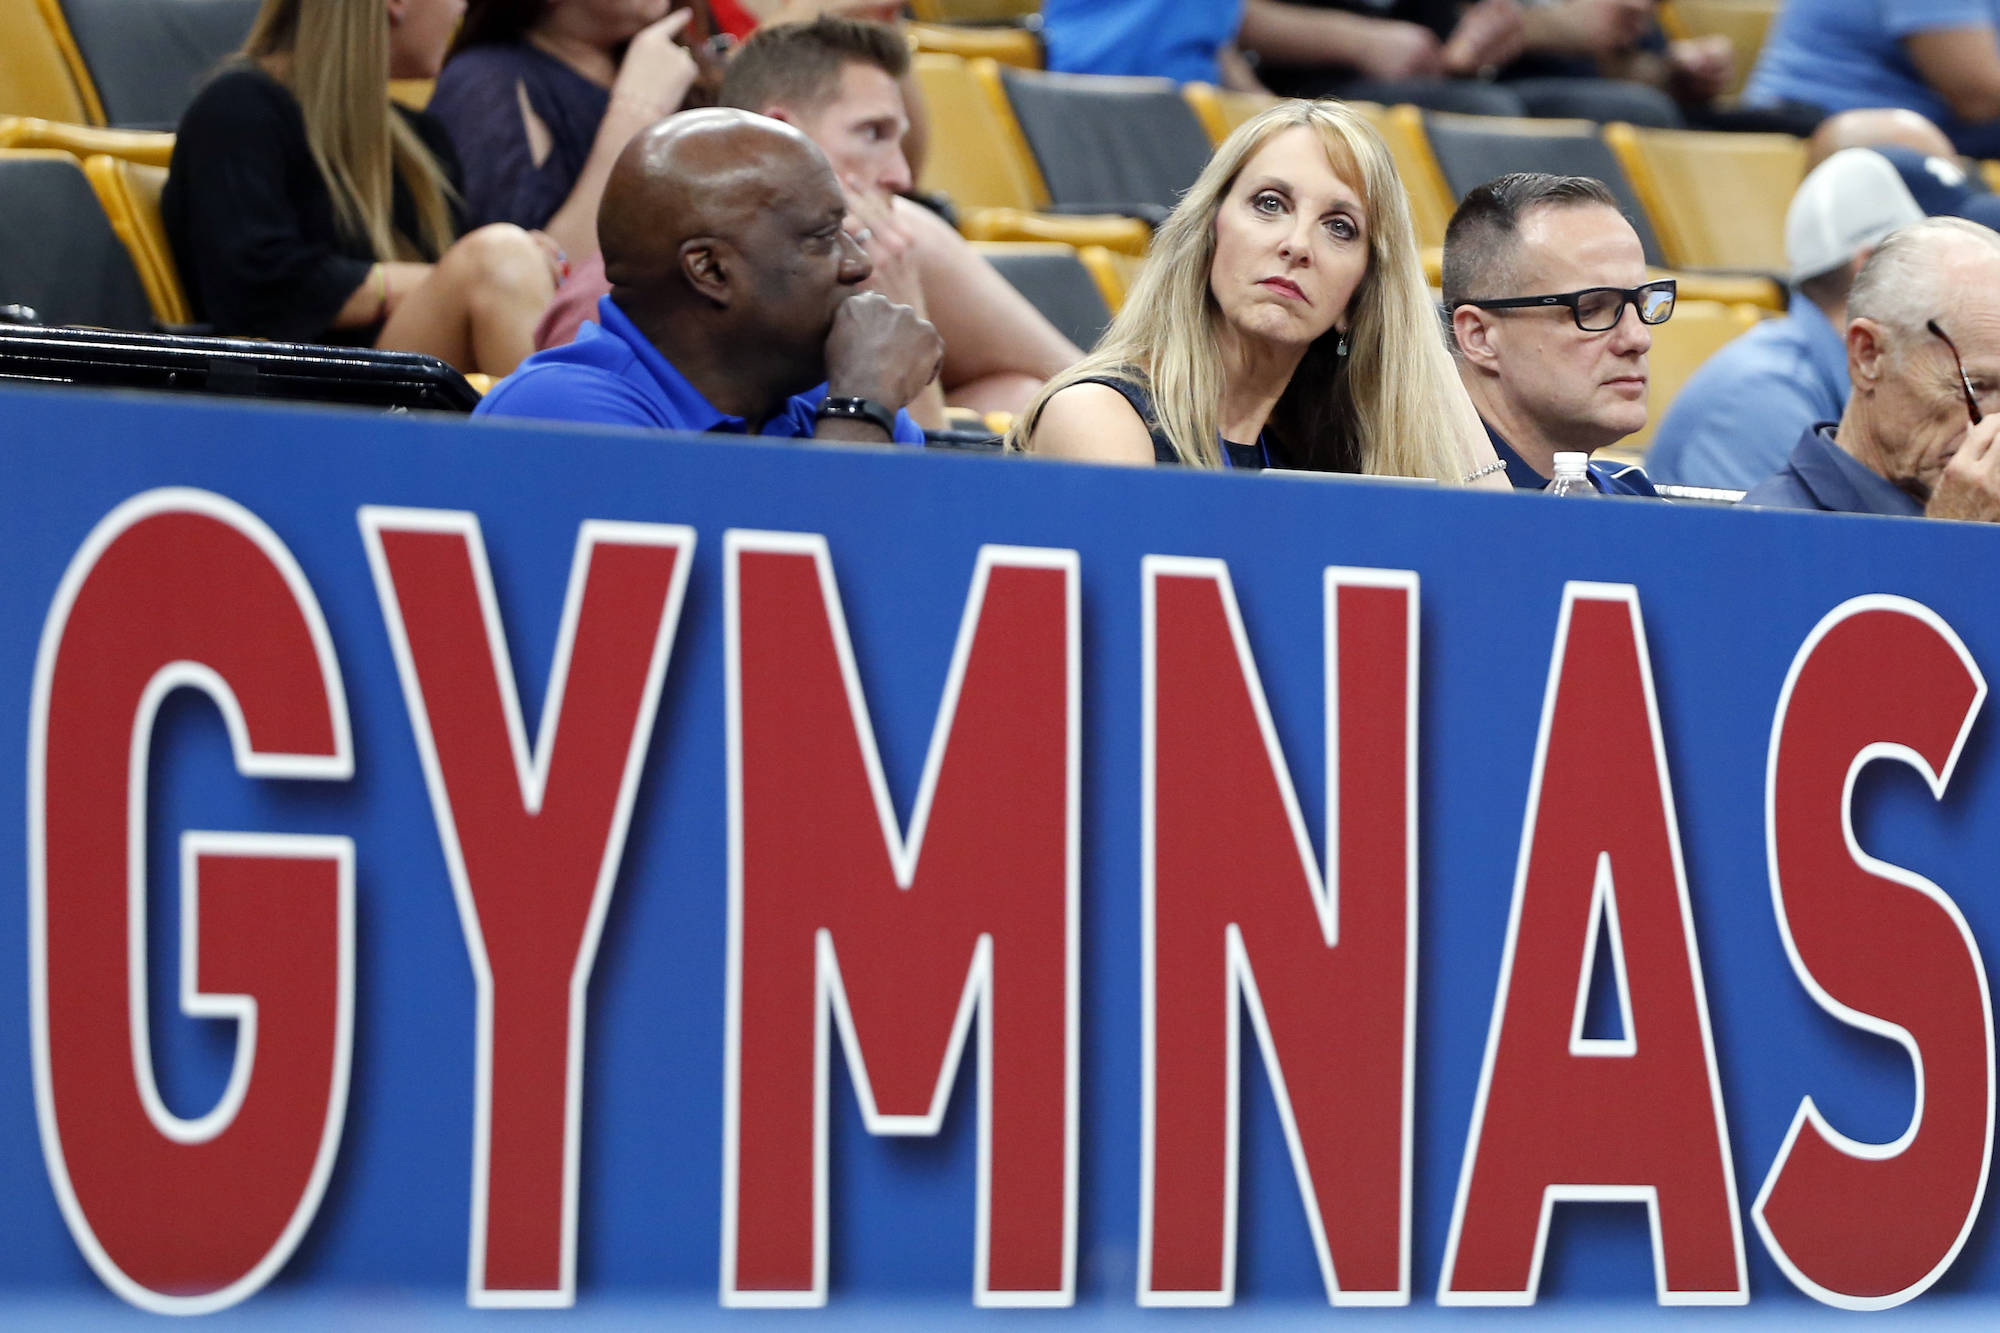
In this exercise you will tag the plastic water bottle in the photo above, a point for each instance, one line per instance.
(1572, 476)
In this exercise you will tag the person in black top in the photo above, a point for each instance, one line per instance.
(300, 205)
(541, 97)
(1281, 321)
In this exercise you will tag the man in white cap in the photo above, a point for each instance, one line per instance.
(1734, 422)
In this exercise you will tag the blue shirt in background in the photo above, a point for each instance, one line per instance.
(1822, 475)
(1734, 422)
(1177, 39)
(612, 376)
(1841, 54)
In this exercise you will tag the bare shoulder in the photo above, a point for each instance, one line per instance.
(1094, 423)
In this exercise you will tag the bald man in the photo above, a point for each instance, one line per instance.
(1876, 127)
(735, 305)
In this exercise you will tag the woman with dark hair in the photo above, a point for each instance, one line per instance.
(540, 96)
(302, 204)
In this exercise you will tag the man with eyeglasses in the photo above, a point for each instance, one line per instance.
(1923, 352)
(1551, 320)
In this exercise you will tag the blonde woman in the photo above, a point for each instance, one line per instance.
(302, 205)
(1282, 320)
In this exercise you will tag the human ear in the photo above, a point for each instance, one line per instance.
(1865, 352)
(703, 265)
(397, 9)
(1474, 336)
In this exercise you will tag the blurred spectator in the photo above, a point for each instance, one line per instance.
(1552, 318)
(1189, 43)
(836, 79)
(1876, 127)
(735, 304)
(1734, 421)
(1492, 57)
(1937, 57)
(540, 97)
(301, 205)
(1923, 352)
(1281, 321)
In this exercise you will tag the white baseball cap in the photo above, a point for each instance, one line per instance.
(1847, 203)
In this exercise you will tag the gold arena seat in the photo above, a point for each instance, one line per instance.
(973, 11)
(35, 67)
(1021, 47)
(1715, 200)
(980, 161)
(130, 194)
(412, 93)
(1221, 110)
(149, 147)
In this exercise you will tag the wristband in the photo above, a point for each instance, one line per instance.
(858, 409)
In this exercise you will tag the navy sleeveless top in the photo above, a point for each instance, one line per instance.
(1249, 457)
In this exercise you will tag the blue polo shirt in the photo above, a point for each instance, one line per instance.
(612, 376)
(1610, 478)
(1822, 475)
(1841, 54)
(1177, 39)
(1735, 420)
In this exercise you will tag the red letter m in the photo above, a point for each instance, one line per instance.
(834, 913)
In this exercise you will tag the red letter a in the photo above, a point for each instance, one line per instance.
(1561, 1117)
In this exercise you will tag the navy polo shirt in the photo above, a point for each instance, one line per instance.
(611, 375)
(1822, 475)
(1621, 479)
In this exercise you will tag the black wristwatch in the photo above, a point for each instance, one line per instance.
(841, 408)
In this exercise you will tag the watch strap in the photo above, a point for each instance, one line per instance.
(839, 407)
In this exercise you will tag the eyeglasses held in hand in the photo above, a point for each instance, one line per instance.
(1964, 380)
(1597, 309)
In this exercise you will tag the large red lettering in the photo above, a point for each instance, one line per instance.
(835, 914)
(1869, 1225)
(532, 839)
(182, 588)
(1236, 910)
(1561, 1117)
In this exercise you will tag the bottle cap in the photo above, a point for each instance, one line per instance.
(1572, 464)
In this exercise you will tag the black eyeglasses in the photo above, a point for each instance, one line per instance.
(1964, 380)
(1598, 309)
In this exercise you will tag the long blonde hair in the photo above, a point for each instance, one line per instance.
(1396, 409)
(334, 56)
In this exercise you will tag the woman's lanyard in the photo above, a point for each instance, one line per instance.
(1263, 452)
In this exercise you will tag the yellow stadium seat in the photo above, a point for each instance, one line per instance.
(1431, 200)
(1010, 46)
(1696, 332)
(1743, 22)
(150, 147)
(412, 93)
(980, 162)
(35, 67)
(1715, 200)
(973, 11)
(130, 194)
(1111, 271)
(1990, 173)
(481, 384)
(1221, 110)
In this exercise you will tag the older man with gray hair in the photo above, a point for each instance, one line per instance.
(1923, 353)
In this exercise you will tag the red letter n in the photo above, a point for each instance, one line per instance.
(1237, 913)
(1870, 1225)
(836, 917)
(532, 839)
(180, 589)
(1560, 1116)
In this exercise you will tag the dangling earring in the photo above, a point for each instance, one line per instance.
(1340, 348)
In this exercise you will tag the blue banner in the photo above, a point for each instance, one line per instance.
(569, 865)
